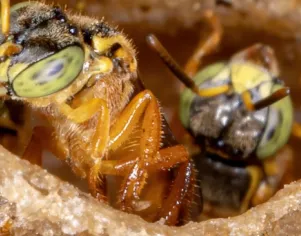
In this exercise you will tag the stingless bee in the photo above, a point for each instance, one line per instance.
(239, 115)
(79, 75)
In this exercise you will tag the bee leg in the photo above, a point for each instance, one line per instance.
(84, 113)
(178, 200)
(206, 46)
(179, 196)
(175, 201)
(255, 178)
(172, 201)
(42, 139)
(184, 188)
(150, 156)
(98, 143)
(193, 202)
(277, 172)
(169, 157)
(136, 170)
(145, 105)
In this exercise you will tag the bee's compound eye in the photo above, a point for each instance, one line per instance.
(50, 74)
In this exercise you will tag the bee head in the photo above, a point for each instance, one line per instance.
(41, 53)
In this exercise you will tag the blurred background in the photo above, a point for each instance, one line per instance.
(179, 26)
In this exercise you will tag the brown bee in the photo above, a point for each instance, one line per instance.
(79, 75)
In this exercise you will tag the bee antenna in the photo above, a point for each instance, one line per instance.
(155, 44)
(274, 97)
(5, 16)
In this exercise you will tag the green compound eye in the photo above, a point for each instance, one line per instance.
(50, 74)
(278, 128)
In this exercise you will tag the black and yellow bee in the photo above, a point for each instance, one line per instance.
(239, 115)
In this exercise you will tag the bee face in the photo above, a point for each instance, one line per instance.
(223, 123)
(49, 52)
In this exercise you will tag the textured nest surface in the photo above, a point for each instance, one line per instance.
(38, 203)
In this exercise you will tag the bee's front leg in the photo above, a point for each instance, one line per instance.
(278, 171)
(256, 176)
(206, 46)
(144, 111)
(97, 148)
(45, 138)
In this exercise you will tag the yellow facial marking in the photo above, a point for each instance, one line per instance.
(100, 66)
(15, 70)
(8, 49)
(3, 71)
(103, 44)
(246, 76)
